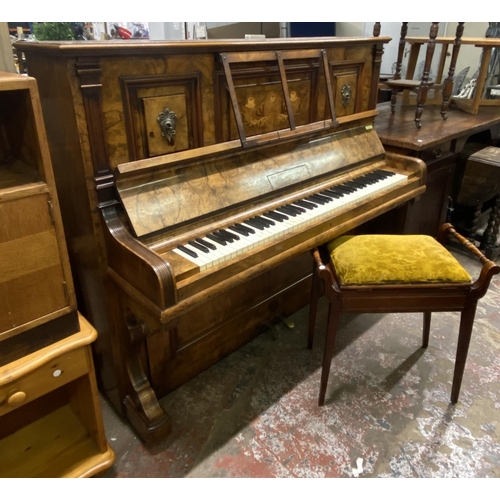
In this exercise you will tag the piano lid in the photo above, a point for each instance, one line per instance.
(186, 191)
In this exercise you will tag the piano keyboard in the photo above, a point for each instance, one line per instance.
(227, 243)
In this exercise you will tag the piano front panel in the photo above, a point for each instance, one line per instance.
(150, 98)
(216, 328)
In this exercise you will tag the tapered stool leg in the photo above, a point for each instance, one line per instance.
(427, 327)
(464, 336)
(313, 305)
(331, 332)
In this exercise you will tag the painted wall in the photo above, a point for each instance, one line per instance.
(469, 55)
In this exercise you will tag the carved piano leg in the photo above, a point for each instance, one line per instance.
(141, 406)
(490, 236)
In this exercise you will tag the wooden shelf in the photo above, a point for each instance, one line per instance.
(50, 416)
(57, 445)
(19, 179)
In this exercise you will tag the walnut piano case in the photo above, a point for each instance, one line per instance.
(37, 298)
(258, 123)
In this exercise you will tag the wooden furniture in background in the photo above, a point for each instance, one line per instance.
(477, 185)
(437, 144)
(470, 105)
(111, 109)
(420, 87)
(400, 297)
(37, 298)
(50, 417)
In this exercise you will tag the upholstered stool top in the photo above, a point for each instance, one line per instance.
(376, 259)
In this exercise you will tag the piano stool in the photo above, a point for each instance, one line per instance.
(357, 277)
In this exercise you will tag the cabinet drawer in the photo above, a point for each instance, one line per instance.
(44, 379)
(436, 152)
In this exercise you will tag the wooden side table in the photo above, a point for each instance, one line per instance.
(50, 417)
(437, 144)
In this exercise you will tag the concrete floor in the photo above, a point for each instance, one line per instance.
(387, 411)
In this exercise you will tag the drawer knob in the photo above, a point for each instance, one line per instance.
(16, 399)
(438, 153)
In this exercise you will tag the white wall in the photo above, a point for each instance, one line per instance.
(349, 29)
(469, 55)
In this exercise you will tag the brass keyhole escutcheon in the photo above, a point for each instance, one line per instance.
(167, 120)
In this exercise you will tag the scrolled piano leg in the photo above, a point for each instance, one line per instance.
(142, 409)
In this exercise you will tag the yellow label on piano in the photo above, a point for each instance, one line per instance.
(369, 127)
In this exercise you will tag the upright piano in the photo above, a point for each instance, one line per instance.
(196, 177)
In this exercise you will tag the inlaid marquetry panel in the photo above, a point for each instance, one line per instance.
(261, 101)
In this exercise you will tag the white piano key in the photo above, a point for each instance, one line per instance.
(260, 237)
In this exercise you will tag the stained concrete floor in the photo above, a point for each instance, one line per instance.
(387, 412)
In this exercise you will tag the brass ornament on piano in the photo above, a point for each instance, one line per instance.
(346, 94)
(167, 120)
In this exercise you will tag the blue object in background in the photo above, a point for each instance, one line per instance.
(312, 29)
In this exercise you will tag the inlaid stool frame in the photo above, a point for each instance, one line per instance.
(426, 298)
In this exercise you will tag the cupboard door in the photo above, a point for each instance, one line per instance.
(32, 283)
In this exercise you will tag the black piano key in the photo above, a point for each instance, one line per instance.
(199, 246)
(223, 236)
(366, 179)
(340, 192)
(346, 188)
(374, 175)
(297, 210)
(325, 197)
(316, 199)
(245, 228)
(215, 238)
(206, 243)
(276, 216)
(285, 210)
(351, 184)
(358, 183)
(255, 224)
(187, 251)
(230, 234)
(267, 223)
(387, 172)
(243, 232)
(377, 175)
(331, 193)
(306, 204)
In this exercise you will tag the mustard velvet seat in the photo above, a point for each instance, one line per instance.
(397, 273)
(393, 259)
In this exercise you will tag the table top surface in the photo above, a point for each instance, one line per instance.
(399, 129)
